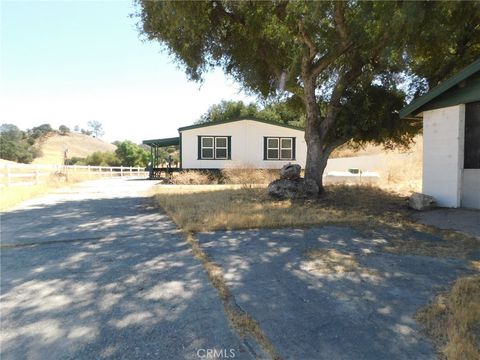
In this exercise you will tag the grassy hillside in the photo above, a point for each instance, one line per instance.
(78, 145)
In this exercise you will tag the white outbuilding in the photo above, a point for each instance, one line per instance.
(451, 139)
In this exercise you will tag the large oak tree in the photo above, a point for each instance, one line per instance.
(348, 63)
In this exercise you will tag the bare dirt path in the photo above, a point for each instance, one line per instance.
(92, 272)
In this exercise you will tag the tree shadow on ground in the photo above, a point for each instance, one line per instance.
(104, 278)
(317, 314)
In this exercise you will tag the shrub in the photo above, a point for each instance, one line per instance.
(64, 129)
(99, 158)
(249, 176)
(191, 177)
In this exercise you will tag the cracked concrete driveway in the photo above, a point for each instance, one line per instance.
(309, 313)
(92, 272)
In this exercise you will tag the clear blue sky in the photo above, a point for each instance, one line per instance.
(68, 62)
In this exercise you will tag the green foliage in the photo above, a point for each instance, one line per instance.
(449, 40)
(369, 116)
(103, 158)
(37, 132)
(227, 110)
(130, 154)
(378, 50)
(282, 112)
(15, 145)
(75, 160)
(126, 154)
(63, 129)
(85, 132)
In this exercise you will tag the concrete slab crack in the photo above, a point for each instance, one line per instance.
(247, 328)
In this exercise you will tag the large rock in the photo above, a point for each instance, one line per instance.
(421, 202)
(290, 172)
(292, 189)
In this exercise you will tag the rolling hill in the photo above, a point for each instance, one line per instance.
(53, 146)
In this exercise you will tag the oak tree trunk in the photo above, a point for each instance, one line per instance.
(316, 155)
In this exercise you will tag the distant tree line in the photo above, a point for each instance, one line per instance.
(21, 146)
(127, 154)
(17, 145)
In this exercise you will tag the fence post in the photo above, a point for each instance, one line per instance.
(138, 171)
(131, 169)
(111, 172)
(121, 171)
(37, 175)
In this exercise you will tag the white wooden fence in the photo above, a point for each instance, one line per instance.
(28, 174)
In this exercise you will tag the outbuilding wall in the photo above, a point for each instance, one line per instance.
(443, 142)
(247, 144)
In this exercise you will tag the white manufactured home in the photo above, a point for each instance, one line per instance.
(238, 143)
(451, 139)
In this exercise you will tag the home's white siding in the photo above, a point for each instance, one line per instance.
(246, 145)
(443, 145)
(471, 188)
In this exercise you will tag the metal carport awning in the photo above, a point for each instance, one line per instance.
(154, 169)
(162, 142)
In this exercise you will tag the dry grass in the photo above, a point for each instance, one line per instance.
(249, 176)
(349, 150)
(13, 195)
(190, 177)
(453, 320)
(404, 175)
(375, 212)
(401, 169)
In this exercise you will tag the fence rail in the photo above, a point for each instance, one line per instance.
(28, 174)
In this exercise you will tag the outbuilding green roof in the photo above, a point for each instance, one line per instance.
(462, 88)
(196, 126)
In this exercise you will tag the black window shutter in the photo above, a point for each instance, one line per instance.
(294, 146)
(229, 147)
(264, 148)
(199, 147)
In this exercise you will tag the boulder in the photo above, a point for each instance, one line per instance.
(421, 202)
(290, 172)
(292, 189)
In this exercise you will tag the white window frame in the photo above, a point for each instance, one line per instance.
(221, 147)
(285, 148)
(207, 147)
(279, 148)
(273, 148)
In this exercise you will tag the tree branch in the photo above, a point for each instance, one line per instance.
(325, 61)
(307, 40)
(339, 19)
(220, 9)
